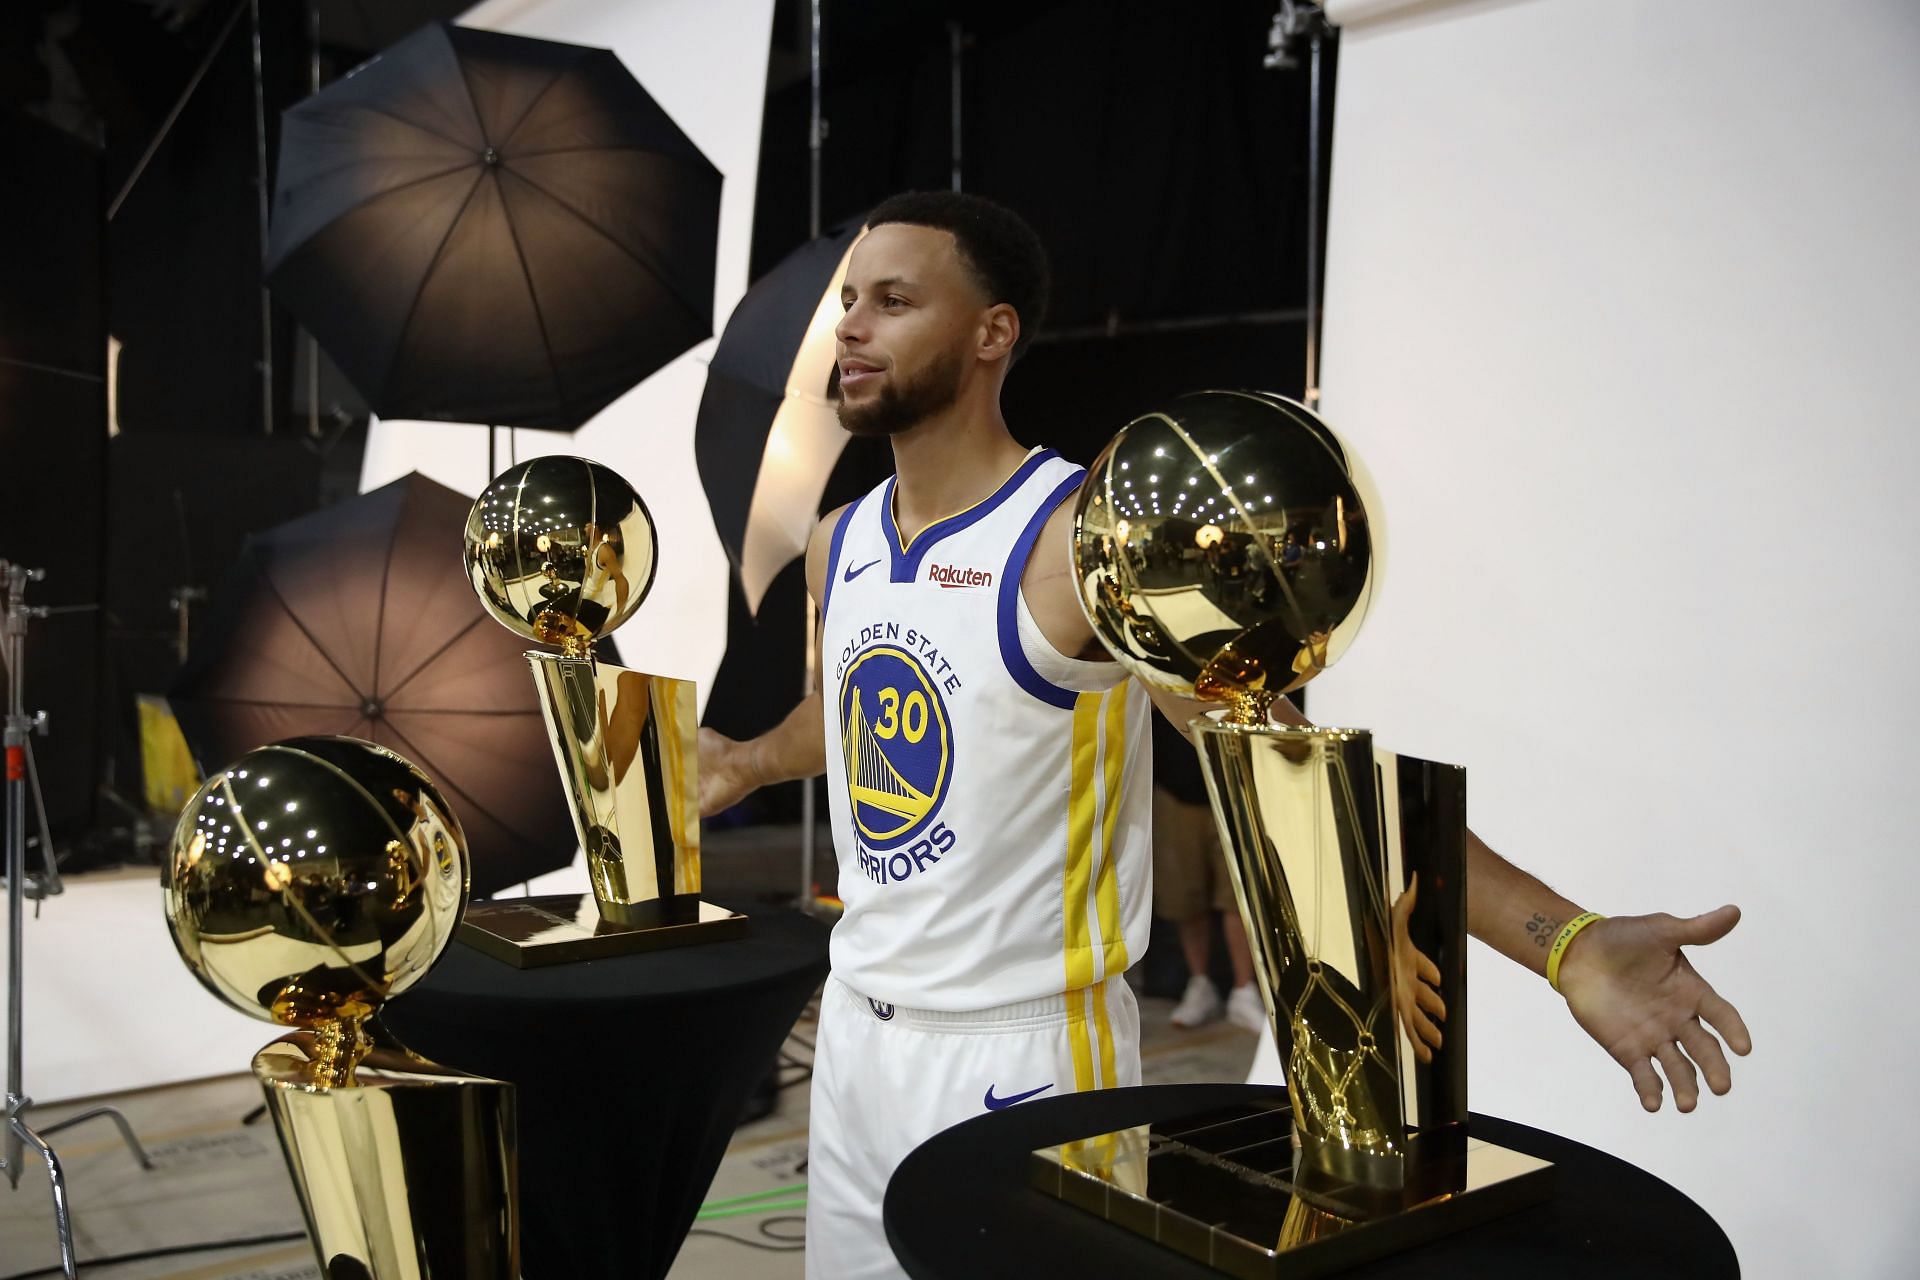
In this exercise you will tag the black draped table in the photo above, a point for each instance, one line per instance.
(960, 1206)
(631, 1074)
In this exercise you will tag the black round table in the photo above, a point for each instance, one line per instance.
(630, 1076)
(960, 1206)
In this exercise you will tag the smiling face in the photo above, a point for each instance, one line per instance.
(917, 329)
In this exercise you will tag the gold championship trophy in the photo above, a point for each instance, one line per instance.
(308, 883)
(1227, 549)
(561, 551)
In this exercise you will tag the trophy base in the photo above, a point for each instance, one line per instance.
(561, 928)
(1221, 1188)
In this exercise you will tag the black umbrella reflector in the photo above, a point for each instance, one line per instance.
(767, 436)
(486, 228)
(359, 620)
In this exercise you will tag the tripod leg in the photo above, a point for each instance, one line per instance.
(14, 1157)
(62, 1223)
(112, 1113)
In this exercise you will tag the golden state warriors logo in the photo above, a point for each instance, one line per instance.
(897, 744)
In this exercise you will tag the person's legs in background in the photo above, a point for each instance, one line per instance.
(1244, 1007)
(1189, 885)
(1181, 871)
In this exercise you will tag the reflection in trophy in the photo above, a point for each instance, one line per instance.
(309, 882)
(562, 551)
(1227, 549)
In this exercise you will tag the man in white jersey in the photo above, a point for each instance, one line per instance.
(988, 765)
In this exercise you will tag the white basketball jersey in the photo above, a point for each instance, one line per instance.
(991, 798)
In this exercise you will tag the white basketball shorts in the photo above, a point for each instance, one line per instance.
(885, 1079)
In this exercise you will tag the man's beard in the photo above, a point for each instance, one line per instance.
(900, 405)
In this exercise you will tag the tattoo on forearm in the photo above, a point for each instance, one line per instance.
(1543, 929)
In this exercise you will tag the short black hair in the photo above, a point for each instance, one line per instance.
(997, 246)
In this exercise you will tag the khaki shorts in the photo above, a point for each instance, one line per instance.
(1189, 870)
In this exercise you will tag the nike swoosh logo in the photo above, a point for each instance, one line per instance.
(853, 573)
(995, 1104)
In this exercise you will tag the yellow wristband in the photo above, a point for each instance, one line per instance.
(1560, 944)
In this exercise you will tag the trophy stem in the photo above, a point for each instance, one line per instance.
(1250, 706)
(338, 1047)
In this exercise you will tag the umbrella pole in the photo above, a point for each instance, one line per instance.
(1315, 245)
(807, 815)
(261, 200)
(313, 343)
(956, 44)
(815, 134)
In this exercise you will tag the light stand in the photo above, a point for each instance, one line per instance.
(1297, 23)
(18, 724)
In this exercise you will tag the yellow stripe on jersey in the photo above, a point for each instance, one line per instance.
(1079, 870)
(1107, 887)
(1077, 1037)
(1103, 1030)
(1095, 1155)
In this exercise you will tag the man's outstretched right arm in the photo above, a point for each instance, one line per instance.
(730, 771)
(796, 747)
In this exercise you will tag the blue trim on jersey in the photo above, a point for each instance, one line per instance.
(833, 551)
(1011, 654)
(906, 564)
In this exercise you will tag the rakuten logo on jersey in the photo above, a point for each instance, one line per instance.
(949, 575)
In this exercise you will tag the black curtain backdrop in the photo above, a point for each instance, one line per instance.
(1162, 164)
(53, 442)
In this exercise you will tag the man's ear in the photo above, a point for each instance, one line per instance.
(999, 331)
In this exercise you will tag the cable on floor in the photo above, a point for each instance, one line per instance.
(167, 1252)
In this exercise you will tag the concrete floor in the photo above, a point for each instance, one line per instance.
(214, 1178)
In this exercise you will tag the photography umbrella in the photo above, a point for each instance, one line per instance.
(486, 228)
(767, 436)
(358, 620)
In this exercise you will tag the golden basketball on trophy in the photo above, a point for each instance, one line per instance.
(561, 551)
(310, 882)
(1227, 548)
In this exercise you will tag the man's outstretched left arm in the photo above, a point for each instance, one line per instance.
(1625, 978)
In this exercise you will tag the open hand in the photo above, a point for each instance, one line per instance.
(1630, 987)
(726, 772)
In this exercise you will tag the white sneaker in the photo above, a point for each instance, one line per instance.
(1200, 1005)
(1245, 1009)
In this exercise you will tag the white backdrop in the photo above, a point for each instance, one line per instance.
(1621, 300)
(705, 63)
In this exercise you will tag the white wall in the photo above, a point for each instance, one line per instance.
(705, 62)
(1621, 300)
